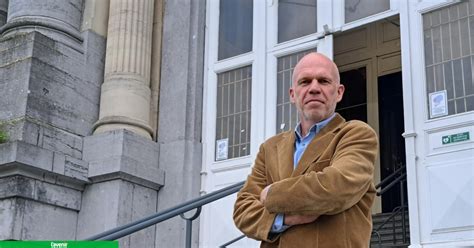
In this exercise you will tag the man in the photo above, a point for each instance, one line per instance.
(312, 187)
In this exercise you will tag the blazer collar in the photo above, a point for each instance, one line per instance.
(318, 145)
(286, 149)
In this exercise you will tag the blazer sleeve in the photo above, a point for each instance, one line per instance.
(250, 216)
(337, 187)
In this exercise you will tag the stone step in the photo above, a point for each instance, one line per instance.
(386, 231)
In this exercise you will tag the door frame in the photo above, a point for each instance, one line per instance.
(263, 57)
(419, 129)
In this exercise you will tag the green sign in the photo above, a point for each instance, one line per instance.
(453, 138)
(59, 244)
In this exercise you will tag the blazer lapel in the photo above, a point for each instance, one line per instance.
(318, 145)
(285, 153)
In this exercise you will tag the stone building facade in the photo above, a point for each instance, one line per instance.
(112, 110)
(84, 86)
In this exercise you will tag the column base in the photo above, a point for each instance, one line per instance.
(126, 179)
(111, 123)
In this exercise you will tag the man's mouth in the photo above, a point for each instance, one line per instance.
(314, 101)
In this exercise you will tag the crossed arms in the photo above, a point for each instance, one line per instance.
(303, 198)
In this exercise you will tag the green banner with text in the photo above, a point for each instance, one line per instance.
(59, 244)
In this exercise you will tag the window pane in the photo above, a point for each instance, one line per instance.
(233, 113)
(448, 79)
(437, 44)
(353, 106)
(286, 112)
(235, 27)
(448, 55)
(354, 113)
(357, 9)
(470, 103)
(428, 52)
(355, 82)
(446, 42)
(430, 79)
(296, 18)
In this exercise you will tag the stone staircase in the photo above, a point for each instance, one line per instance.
(391, 234)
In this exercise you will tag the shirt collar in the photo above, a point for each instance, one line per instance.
(314, 129)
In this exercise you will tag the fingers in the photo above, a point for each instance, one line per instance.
(263, 194)
(292, 220)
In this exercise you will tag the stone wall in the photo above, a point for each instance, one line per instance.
(180, 113)
(58, 178)
(48, 106)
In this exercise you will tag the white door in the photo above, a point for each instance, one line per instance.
(251, 49)
(437, 65)
(233, 94)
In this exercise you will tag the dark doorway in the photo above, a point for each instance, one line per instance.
(353, 105)
(392, 144)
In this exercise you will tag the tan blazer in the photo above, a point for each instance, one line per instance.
(333, 179)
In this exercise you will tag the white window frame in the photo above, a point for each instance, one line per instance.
(319, 41)
(339, 15)
(214, 67)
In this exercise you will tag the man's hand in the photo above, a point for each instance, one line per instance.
(291, 220)
(263, 194)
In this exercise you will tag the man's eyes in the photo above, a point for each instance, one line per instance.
(308, 81)
(304, 82)
(323, 80)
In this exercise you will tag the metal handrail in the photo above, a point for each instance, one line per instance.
(392, 216)
(391, 183)
(400, 209)
(400, 177)
(232, 241)
(389, 186)
(156, 218)
(387, 179)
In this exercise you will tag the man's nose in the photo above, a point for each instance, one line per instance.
(314, 87)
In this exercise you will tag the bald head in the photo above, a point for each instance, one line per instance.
(316, 89)
(315, 60)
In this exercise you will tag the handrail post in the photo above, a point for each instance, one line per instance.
(394, 230)
(402, 195)
(189, 226)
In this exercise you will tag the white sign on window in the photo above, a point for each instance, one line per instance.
(438, 104)
(221, 149)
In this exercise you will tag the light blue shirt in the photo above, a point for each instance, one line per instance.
(300, 146)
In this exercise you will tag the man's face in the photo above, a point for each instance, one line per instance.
(316, 89)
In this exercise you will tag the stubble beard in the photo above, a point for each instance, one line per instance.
(316, 115)
(311, 116)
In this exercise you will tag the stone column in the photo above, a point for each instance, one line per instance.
(57, 19)
(3, 12)
(125, 95)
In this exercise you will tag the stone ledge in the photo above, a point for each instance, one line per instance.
(122, 154)
(21, 158)
(41, 191)
(27, 154)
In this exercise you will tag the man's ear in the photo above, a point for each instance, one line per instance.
(292, 95)
(340, 92)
